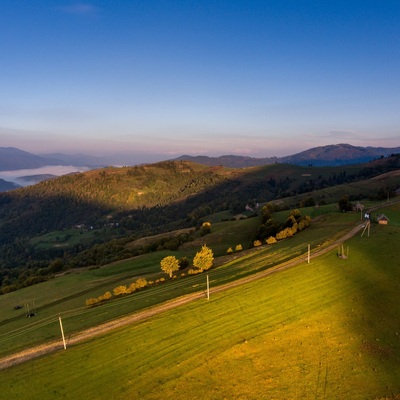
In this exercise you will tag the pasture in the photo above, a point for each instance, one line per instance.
(328, 330)
(66, 295)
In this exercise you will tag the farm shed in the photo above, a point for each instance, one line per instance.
(382, 219)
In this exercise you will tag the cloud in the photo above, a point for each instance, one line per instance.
(81, 9)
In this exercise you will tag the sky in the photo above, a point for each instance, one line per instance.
(256, 78)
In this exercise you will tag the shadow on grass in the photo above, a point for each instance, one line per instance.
(373, 273)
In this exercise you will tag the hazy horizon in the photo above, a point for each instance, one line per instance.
(256, 78)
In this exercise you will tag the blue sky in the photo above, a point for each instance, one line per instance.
(257, 78)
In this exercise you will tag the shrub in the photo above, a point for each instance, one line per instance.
(238, 247)
(92, 301)
(205, 228)
(193, 271)
(183, 263)
(141, 282)
(284, 233)
(229, 250)
(106, 296)
(120, 290)
(257, 243)
(132, 287)
(271, 240)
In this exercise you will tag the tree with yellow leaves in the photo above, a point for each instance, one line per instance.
(169, 265)
(203, 259)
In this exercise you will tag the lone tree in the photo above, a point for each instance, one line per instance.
(205, 228)
(203, 259)
(169, 265)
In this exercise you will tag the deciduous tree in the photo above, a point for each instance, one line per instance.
(169, 265)
(204, 258)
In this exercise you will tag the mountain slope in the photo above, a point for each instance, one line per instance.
(6, 186)
(340, 154)
(72, 217)
(331, 155)
(229, 161)
(152, 197)
(12, 159)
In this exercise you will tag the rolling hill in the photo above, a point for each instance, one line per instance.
(331, 155)
(88, 217)
(12, 158)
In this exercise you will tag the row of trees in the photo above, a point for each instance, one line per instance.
(118, 291)
(202, 261)
(272, 228)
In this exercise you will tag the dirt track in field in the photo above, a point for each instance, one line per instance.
(44, 349)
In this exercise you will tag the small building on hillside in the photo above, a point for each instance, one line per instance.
(382, 219)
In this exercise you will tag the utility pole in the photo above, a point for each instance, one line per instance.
(62, 332)
(308, 258)
(208, 288)
(367, 226)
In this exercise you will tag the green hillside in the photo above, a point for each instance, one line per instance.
(325, 329)
(84, 218)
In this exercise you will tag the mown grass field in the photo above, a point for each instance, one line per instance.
(325, 330)
(66, 295)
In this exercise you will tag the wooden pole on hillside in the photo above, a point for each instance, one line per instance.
(308, 258)
(208, 288)
(62, 332)
(367, 226)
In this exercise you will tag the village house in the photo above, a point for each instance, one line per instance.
(382, 219)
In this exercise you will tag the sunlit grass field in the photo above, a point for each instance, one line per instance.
(66, 295)
(329, 329)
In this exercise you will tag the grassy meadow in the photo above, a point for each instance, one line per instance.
(67, 294)
(329, 329)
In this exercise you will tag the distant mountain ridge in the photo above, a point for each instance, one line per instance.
(12, 159)
(330, 155)
(339, 154)
(5, 185)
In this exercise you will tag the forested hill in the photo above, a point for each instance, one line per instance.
(130, 195)
(142, 200)
(124, 195)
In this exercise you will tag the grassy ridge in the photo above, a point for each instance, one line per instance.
(329, 329)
